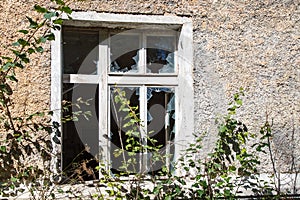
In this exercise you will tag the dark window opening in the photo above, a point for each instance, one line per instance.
(161, 126)
(80, 131)
(119, 133)
(80, 51)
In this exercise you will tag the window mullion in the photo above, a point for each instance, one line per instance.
(80, 78)
(143, 127)
(142, 54)
(56, 97)
(103, 98)
(167, 134)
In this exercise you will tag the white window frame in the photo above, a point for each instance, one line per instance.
(182, 79)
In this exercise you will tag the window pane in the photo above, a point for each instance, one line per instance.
(80, 52)
(161, 125)
(160, 54)
(124, 53)
(80, 130)
(128, 159)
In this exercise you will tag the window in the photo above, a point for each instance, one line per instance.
(149, 59)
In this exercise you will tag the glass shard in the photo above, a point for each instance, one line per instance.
(124, 53)
(161, 108)
(160, 54)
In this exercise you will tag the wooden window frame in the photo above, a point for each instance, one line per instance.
(181, 80)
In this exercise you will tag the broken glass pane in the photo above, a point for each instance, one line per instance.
(80, 52)
(160, 54)
(161, 109)
(124, 53)
(80, 130)
(169, 67)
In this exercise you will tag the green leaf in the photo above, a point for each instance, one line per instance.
(16, 52)
(22, 42)
(19, 139)
(3, 149)
(126, 110)
(56, 140)
(13, 179)
(7, 66)
(6, 58)
(33, 24)
(239, 102)
(12, 78)
(60, 190)
(23, 31)
(16, 44)
(66, 9)
(42, 40)
(168, 197)
(58, 21)
(40, 9)
(222, 129)
(30, 50)
(20, 65)
(50, 37)
(117, 99)
(6, 89)
(49, 15)
(200, 193)
(39, 49)
(24, 58)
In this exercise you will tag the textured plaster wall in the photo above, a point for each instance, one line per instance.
(32, 92)
(254, 45)
(237, 43)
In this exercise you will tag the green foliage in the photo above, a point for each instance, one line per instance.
(226, 172)
(24, 137)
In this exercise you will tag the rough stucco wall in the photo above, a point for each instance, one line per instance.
(32, 91)
(250, 44)
(254, 45)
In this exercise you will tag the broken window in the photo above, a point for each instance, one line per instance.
(160, 127)
(90, 60)
(128, 52)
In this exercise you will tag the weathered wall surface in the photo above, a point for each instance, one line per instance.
(250, 44)
(32, 92)
(254, 45)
